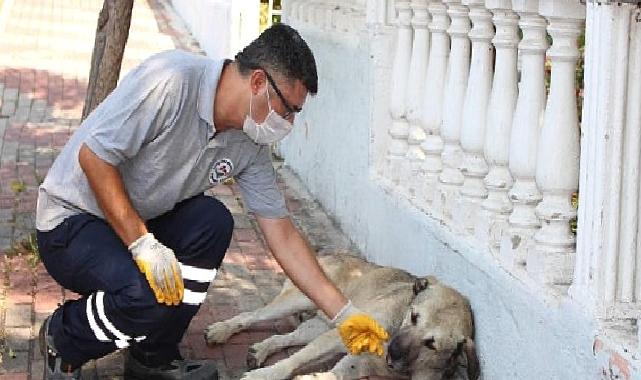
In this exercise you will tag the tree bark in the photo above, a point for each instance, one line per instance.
(111, 37)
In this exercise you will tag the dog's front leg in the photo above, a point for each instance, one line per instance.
(286, 303)
(321, 350)
(305, 333)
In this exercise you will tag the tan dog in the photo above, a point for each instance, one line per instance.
(431, 327)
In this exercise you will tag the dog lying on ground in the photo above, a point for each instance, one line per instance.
(430, 325)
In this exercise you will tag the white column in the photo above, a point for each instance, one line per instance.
(526, 127)
(557, 170)
(606, 276)
(451, 178)
(477, 96)
(420, 52)
(496, 208)
(399, 130)
(433, 101)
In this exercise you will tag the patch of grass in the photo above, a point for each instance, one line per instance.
(18, 187)
(575, 204)
(27, 248)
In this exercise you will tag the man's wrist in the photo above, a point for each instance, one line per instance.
(347, 310)
(135, 234)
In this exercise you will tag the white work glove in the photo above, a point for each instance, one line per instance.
(160, 267)
(359, 331)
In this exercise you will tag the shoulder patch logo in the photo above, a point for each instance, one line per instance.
(221, 170)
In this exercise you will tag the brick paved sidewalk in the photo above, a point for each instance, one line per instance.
(45, 50)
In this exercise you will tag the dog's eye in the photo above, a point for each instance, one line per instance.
(414, 317)
(429, 343)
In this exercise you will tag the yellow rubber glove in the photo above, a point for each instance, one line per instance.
(160, 267)
(360, 332)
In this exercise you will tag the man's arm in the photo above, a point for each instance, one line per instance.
(157, 262)
(107, 185)
(299, 263)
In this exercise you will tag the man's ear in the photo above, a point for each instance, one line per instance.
(258, 82)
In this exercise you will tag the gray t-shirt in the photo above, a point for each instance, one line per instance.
(157, 128)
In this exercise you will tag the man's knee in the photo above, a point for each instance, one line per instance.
(219, 219)
(139, 310)
(212, 232)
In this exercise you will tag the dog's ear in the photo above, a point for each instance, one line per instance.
(473, 366)
(421, 284)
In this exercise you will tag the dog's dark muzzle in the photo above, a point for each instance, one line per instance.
(398, 352)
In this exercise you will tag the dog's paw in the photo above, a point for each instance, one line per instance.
(218, 332)
(253, 360)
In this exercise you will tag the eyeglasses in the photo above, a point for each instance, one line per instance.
(290, 109)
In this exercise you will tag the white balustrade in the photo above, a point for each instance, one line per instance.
(418, 67)
(432, 115)
(474, 167)
(557, 167)
(451, 178)
(526, 128)
(496, 208)
(400, 70)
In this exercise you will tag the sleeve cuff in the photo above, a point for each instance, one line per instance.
(103, 153)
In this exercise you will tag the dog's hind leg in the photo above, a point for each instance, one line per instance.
(319, 352)
(288, 302)
(305, 333)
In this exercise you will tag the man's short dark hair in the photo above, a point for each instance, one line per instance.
(280, 49)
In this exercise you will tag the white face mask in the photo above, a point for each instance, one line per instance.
(272, 129)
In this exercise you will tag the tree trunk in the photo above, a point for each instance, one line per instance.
(111, 37)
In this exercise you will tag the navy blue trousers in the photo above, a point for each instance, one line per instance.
(118, 308)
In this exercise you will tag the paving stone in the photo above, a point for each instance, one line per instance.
(8, 108)
(6, 229)
(18, 315)
(10, 95)
(16, 363)
(242, 221)
(18, 338)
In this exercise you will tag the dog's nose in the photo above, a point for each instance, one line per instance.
(396, 349)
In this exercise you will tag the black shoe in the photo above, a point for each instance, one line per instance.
(177, 369)
(55, 367)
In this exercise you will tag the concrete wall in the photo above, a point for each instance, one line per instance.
(523, 332)
(222, 27)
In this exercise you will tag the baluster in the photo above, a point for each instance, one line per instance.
(477, 95)
(496, 208)
(557, 167)
(526, 128)
(433, 101)
(451, 178)
(415, 91)
(400, 128)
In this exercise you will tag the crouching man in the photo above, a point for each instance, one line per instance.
(123, 221)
